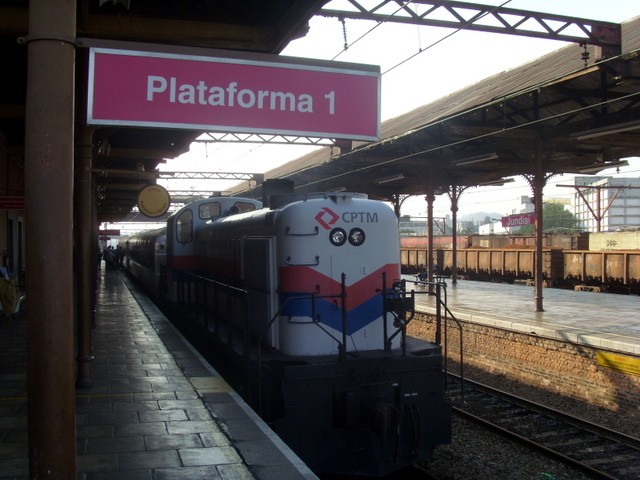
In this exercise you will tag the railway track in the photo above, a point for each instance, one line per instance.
(587, 447)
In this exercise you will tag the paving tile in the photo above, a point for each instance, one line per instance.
(168, 442)
(148, 459)
(155, 428)
(145, 397)
(97, 463)
(198, 413)
(197, 426)
(121, 475)
(143, 406)
(190, 473)
(170, 388)
(209, 456)
(196, 371)
(214, 438)
(163, 416)
(183, 395)
(86, 408)
(169, 404)
(115, 445)
(127, 385)
(125, 361)
(240, 472)
(112, 418)
(179, 381)
(210, 384)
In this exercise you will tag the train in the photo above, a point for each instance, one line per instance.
(583, 261)
(305, 296)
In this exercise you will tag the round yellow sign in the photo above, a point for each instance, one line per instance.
(154, 200)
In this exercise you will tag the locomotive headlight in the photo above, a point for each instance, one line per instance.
(356, 237)
(338, 236)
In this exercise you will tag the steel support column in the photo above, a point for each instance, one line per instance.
(49, 228)
(537, 186)
(85, 255)
(430, 198)
(454, 194)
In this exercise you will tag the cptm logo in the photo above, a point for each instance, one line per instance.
(326, 217)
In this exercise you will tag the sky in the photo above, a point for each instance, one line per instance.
(411, 59)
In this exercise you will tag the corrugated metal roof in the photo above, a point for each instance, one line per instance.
(539, 105)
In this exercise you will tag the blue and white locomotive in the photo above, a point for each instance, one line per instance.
(306, 297)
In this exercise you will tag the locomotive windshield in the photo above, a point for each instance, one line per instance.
(184, 227)
(243, 207)
(209, 210)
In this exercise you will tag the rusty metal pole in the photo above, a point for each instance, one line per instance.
(599, 210)
(537, 186)
(85, 256)
(430, 198)
(49, 243)
(453, 196)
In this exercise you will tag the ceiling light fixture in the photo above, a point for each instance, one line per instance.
(496, 183)
(609, 130)
(588, 169)
(393, 178)
(476, 159)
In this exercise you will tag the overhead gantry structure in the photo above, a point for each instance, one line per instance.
(486, 18)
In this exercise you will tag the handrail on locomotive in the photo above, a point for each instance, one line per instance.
(397, 301)
(441, 301)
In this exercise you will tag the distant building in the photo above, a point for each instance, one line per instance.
(493, 228)
(526, 206)
(496, 228)
(618, 207)
(417, 226)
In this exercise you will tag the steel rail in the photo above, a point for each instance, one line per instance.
(577, 423)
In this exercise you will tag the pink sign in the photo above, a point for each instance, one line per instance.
(519, 220)
(283, 96)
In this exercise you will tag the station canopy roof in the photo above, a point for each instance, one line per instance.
(248, 26)
(577, 118)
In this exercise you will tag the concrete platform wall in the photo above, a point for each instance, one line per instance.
(563, 368)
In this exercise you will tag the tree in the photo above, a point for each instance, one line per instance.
(467, 228)
(556, 219)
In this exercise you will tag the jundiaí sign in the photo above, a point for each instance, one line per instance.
(519, 220)
(212, 91)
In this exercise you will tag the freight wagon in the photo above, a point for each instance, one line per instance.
(617, 270)
(503, 265)
(593, 261)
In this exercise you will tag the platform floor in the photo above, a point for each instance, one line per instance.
(602, 320)
(156, 410)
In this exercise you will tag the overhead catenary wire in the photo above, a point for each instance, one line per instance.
(447, 36)
(420, 49)
(344, 30)
(471, 139)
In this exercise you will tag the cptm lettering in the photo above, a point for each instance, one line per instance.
(361, 217)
